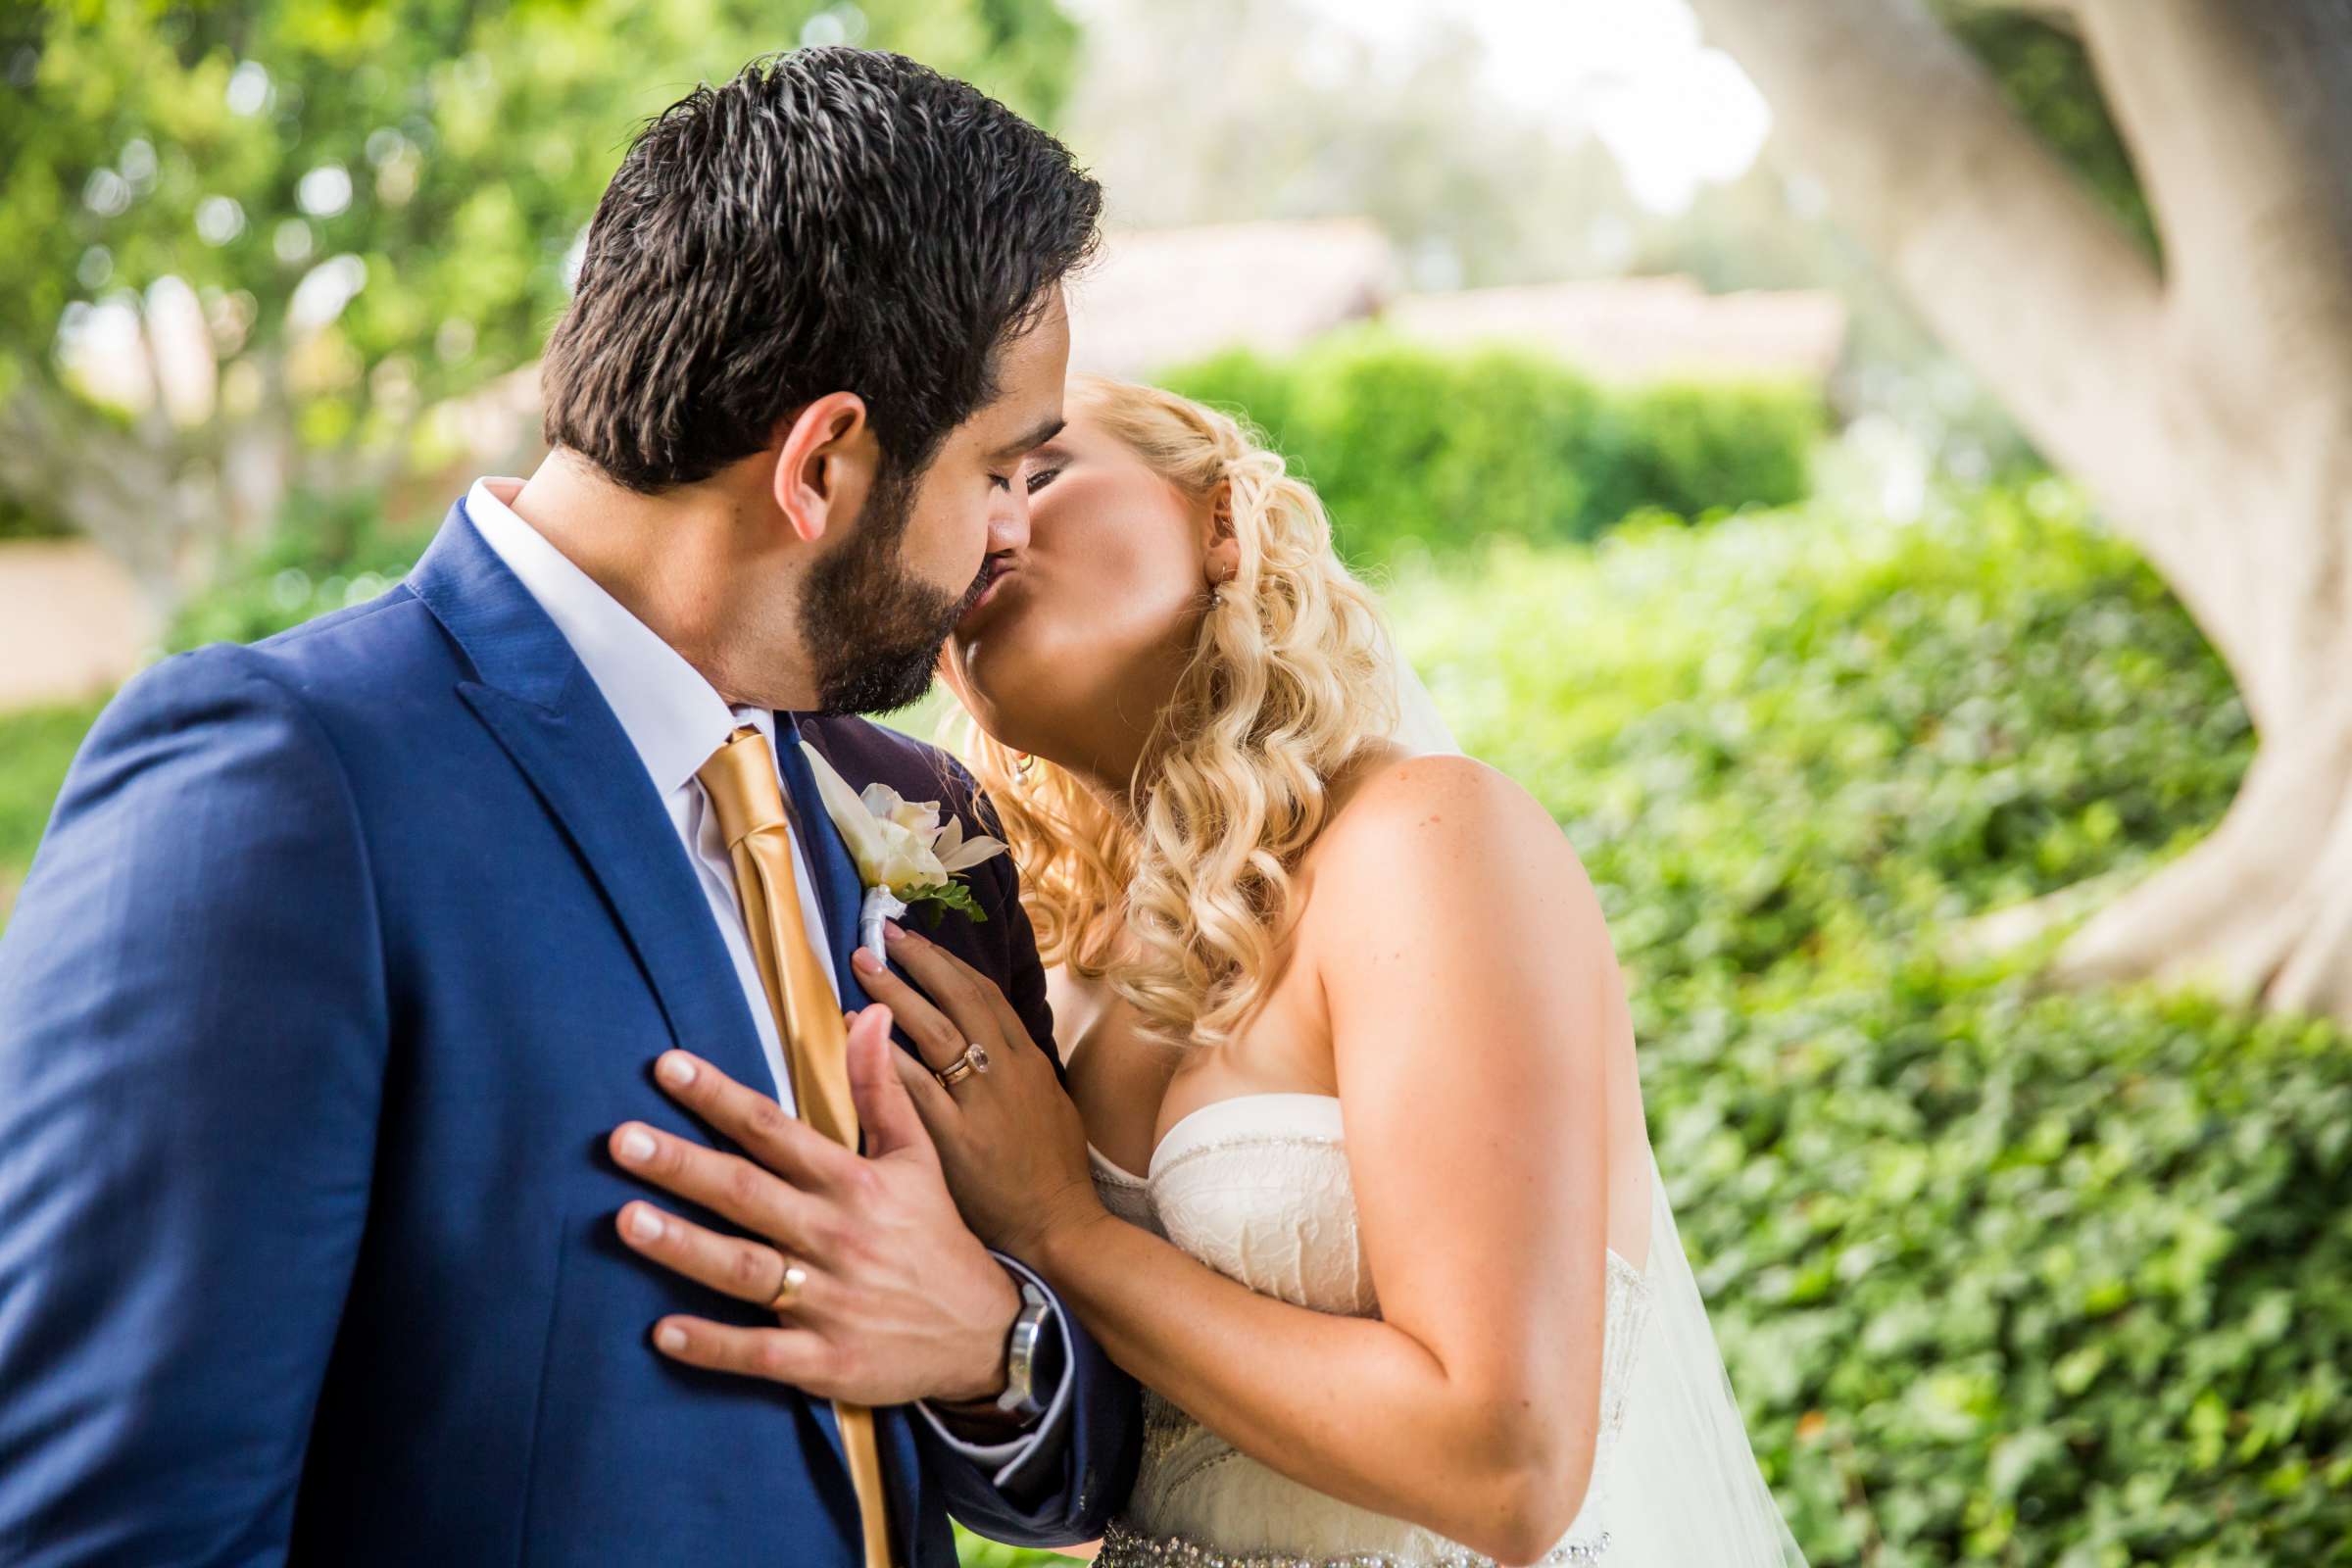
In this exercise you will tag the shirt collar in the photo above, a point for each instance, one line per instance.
(673, 718)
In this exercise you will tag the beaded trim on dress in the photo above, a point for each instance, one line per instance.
(1124, 1547)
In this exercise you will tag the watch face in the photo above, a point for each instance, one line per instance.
(1019, 1396)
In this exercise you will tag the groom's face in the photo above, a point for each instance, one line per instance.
(876, 610)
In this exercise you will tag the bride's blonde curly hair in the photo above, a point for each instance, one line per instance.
(1289, 681)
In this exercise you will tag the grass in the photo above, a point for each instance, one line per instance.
(36, 746)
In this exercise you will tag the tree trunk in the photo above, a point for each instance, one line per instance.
(2208, 409)
(165, 501)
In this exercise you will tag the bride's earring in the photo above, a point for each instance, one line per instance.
(1028, 761)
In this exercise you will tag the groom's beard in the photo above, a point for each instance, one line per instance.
(872, 628)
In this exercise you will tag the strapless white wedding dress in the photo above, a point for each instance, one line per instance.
(1258, 1189)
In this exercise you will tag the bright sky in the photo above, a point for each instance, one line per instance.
(1675, 113)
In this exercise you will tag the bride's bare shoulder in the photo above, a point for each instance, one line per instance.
(1425, 849)
(1443, 808)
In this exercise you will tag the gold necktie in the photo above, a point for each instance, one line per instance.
(741, 781)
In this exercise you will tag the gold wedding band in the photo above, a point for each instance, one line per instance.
(788, 1294)
(974, 1059)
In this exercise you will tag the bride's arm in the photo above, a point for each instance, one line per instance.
(1472, 994)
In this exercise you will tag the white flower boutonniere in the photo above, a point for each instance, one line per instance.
(906, 853)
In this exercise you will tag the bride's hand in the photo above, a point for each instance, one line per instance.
(1008, 1137)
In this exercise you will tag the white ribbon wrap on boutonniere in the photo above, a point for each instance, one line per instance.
(907, 853)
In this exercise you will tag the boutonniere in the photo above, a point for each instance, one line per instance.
(909, 855)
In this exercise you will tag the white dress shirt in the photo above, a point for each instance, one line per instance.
(675, 719)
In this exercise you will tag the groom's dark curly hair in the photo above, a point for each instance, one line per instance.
(832, 219)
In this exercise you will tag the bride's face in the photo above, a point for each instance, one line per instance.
(1078, 641)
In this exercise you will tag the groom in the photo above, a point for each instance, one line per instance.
(347, 953)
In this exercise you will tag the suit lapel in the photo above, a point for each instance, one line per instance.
(538, 701)
(841, 894)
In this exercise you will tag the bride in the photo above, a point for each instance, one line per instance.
(1352, 1173)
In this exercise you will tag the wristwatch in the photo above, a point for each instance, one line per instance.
(1019, 1397)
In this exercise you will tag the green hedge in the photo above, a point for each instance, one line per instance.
(2006, 1278)
(2002, 1276)
(1803, 731)
(1417, 449)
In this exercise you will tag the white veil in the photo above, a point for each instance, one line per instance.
(1683, 1485)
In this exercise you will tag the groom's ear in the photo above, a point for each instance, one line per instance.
(826, 464)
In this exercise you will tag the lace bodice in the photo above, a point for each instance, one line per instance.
(1258, 1187)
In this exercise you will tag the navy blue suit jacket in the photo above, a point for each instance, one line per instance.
(343, 955)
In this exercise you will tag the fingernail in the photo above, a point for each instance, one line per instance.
(636, 1146)
(891, 929)
(675, 1068)
(863, 960)
(672, 1339)
(644, 1225)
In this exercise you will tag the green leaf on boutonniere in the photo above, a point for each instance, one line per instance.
(936, 898)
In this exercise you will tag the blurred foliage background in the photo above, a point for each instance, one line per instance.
(1813, 672)
(327, 217)
(1406, 443)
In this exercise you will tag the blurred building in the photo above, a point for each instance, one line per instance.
(1640, 329)
(1161, 297)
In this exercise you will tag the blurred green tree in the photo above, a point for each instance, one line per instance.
(2137, 226)
(246, 244)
